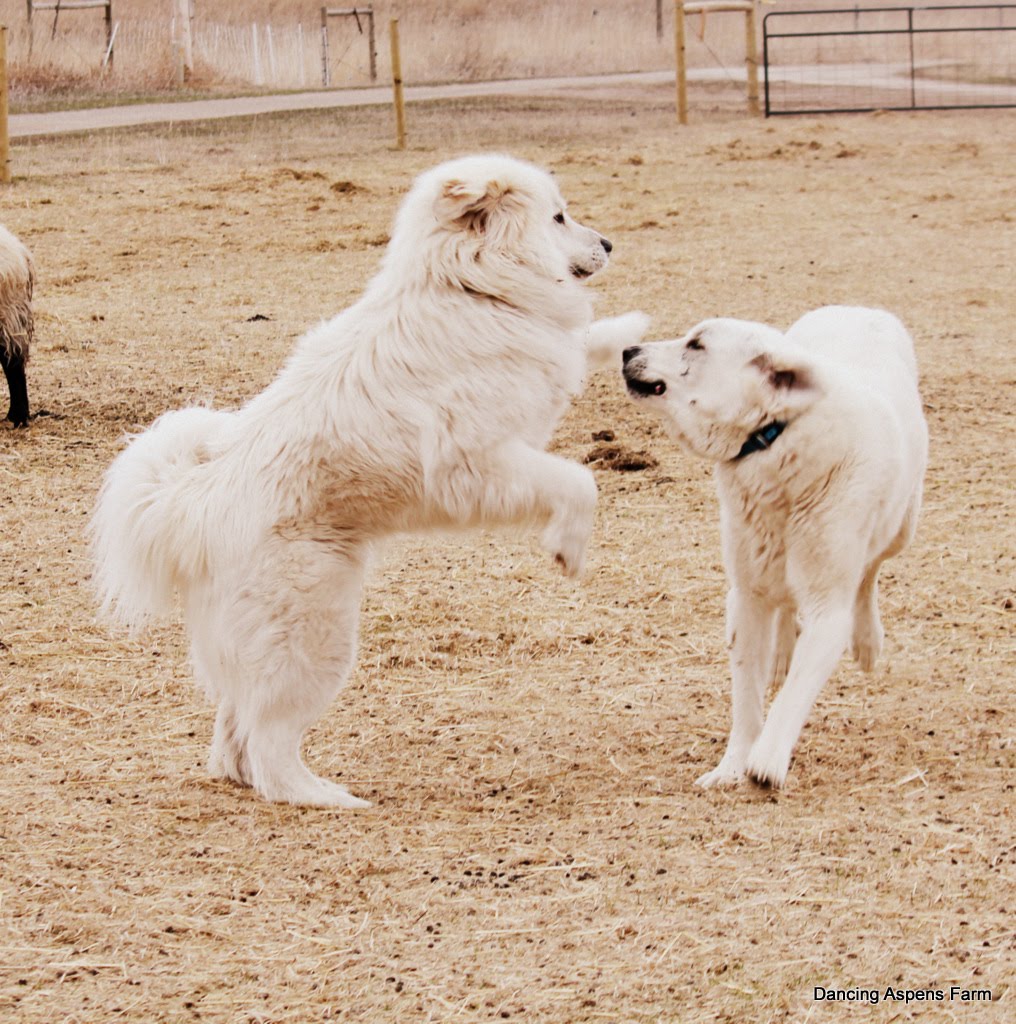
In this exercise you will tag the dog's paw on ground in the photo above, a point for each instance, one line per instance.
(767, 768)
(722, 776)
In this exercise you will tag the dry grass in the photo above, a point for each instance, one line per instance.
(537, 851)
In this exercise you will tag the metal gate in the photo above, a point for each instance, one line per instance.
(890, 58)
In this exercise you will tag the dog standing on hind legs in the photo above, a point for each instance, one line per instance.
(820, 445)
(426, 405)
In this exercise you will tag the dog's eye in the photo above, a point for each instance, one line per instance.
(695, 344)
(559, 218)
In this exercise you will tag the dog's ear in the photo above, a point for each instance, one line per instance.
(794, 384)
(471, 205)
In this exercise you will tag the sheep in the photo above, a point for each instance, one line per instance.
(17, 324)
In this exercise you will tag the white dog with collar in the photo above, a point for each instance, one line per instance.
(820, 446)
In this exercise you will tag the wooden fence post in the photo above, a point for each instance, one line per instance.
(703, 7)
(185, 38)
(400, 110)
(110, 34)
(326, 75)
(370, 43)
(259, 78)
(751, 57)
(5, 153)
(682, 71)
(303, 54)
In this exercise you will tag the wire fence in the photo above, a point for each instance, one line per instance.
(833, 55)
(618, 35)
(890, 58)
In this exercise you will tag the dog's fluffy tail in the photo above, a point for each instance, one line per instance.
(606, 339)
(151, 523)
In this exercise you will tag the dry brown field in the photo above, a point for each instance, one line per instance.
(537, 851)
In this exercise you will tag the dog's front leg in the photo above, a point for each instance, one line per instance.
(567, 534)
(750, 635)
(560, 491)
(825, 631)
(519, 483)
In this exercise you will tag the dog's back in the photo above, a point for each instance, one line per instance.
(870, 348)
(871, 342)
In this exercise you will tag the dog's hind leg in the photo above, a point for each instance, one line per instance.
(751, 634)
(866, 642)
(228, 756)
(295, 632)
(868, 635)
(786, 637)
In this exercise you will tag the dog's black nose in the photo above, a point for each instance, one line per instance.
(607, 244)
(630, 353)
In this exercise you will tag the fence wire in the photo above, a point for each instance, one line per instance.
(890, 58)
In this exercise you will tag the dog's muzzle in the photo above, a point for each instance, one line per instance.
(634, 367)
(599, 261)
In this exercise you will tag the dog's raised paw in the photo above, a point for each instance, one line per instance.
(570, 555)
(631, 327)
(567, 535)
(608, 338)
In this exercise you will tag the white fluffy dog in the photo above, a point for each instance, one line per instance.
(426, 405)
(820, 446)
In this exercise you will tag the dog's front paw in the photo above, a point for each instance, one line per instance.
(567, 543)
(609, 337)
(768, 764)
(567, 534)
(721, 775)
(628, 328)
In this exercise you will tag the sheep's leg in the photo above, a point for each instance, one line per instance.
(14, 370)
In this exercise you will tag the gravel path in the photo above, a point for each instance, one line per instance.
(59, 122)
(889, 77)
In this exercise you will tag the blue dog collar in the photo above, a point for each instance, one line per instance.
(761, 439)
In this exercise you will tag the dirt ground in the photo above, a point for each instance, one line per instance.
(537, 851)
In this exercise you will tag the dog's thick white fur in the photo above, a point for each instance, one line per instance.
(808, 514)
(426, 405)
